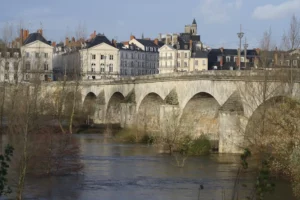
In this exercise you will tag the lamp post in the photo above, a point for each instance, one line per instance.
(240, 36)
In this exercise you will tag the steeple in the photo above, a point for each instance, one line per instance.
(194, 21)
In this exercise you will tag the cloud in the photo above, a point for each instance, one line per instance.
(270, 11)
(218, 11)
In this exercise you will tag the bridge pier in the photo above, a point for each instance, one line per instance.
(128, 114)
(169, 118)
(100, 113)
(231, 129)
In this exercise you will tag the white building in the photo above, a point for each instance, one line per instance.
(10, 65)
(139, 57)
(37, 54)
(182, 52)
(99, 59)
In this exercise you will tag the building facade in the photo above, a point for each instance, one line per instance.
(10, 65)
(182, 52)
(227, 59)
(37, 55)
(139, 57)
(99, 59)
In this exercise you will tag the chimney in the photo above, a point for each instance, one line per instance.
(222, 49)
(54, 44)
(114, 42)
(257, 51)
(156, 41)
(191, 44)
(40, 31)
(132, 37)
(67, 41)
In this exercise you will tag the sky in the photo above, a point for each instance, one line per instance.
(218, 20)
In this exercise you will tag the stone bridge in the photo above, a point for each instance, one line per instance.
(216, 103)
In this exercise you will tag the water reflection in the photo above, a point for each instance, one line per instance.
(121, 172)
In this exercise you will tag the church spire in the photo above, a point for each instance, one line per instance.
(194, 21)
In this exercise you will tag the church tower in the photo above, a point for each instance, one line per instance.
(194, 27)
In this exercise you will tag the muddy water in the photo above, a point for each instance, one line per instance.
(126, 172)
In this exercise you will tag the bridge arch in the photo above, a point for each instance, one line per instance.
(149, 112)
(113, 113)
(89, 105)
(200, 115)
(273, 116)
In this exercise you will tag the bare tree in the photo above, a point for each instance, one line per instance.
(291, 39)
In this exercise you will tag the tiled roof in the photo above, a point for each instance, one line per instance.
(34, 37)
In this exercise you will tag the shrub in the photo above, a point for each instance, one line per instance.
(200, 146)
(195, 147)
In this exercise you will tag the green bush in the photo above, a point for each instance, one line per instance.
(200, 146)
(126, 135)
(133, 135)
(147, 139)
(195, 147)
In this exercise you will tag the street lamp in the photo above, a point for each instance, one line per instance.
(240, 35)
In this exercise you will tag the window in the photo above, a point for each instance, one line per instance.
(27, 77)
(93, 56)
(178, 64)
(185, 55)
(234, 59)
(287, 62)
(37, 55)
(227, 58)
(6, 76)
(185, 64)
(16, 66)
(196, 62)
(27, 66)
(46, 55)
(111, 69)
(27, 54)
(102, 57)
(102, 68)
(7, 66)
(242, 59)
(203, 62)
(16, 55)
(8, 54)
(219, 58)
(294, 62)
(15, 76)
(46, 66)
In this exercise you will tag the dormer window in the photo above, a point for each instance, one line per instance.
(8, 54)
(227, 58)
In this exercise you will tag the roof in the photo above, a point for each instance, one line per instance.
(147, 43)
(194, 21)
(32, 37)
(200, 54)
(10, 50)
(98, 40)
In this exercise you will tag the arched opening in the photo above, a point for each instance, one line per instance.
(89, 105)
(113, 114)
(201, 116)
(274, 124)
(149, 112)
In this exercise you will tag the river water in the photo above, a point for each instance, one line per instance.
(126, 172)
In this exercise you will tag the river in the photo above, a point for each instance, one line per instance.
(126, 172)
